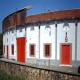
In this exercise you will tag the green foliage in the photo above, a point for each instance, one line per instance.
(4, 76)
(17, 78)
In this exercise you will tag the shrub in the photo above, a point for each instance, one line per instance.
(5, 76)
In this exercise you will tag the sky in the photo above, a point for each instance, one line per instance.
(38, 6)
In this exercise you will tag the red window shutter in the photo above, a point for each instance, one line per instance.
(12, 49)
(7, 52)
(32, 50)
(47, 50)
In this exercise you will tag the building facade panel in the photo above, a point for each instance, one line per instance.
(61, 35)
(32, 38)
(78, 42)
(12, 37)
(49, 37)
(20, 32)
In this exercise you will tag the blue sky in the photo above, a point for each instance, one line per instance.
(38, 6)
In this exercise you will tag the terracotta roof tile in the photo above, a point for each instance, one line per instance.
(65, 14)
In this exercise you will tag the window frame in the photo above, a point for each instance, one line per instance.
(12, 49)
(32, 55)
(47, 55)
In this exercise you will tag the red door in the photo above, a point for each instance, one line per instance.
(66, 54)
(21, 49)
(7, 52)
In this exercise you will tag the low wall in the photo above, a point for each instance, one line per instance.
(35, 72)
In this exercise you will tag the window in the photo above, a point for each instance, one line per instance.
(47, 50)
(12, 49)
(32, 50)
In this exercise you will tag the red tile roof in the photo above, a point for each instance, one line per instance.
(65, 14)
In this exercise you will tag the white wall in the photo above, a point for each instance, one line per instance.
(12, 40)
(21, 34)
(4, 43)
(47, 37)
(32, 38)
(78, 42)
(61, 38)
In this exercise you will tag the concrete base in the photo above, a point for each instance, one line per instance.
(48, 62)
(34, 72)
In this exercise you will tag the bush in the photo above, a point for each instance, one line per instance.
(5, 76)
(17, 78)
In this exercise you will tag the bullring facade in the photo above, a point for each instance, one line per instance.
(51, 38)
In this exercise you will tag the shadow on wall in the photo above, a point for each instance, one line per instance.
(1, 44)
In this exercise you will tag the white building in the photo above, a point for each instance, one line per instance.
(51, 38)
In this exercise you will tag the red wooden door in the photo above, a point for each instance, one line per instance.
(66, 54)
(7, 53)
(21, 49)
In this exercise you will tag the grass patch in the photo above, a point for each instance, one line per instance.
(5, 76)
